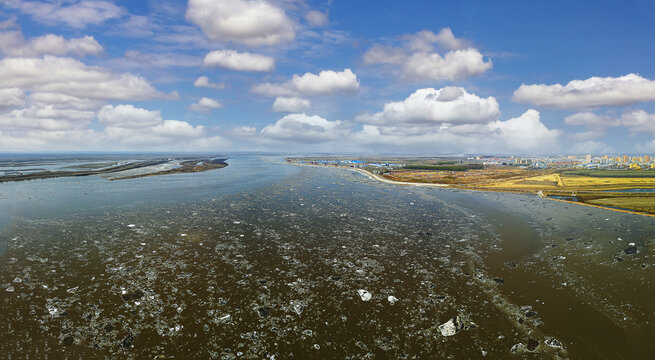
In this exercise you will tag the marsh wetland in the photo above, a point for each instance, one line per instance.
(266, 260)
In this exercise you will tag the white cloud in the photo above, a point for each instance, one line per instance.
(524, 134)
(458, 64)
(424, 40)
(291, 104)
(71, 77)
(639, 122)
(451, 105)
(14, 44)
(301, 128)
(203, 81)
(244, 131)
(589, 93)
(76, 14)
(46, 117)
(250, 22)
(316, 18)
(128, 116)
(205, 105)
(11, 98)
(591, 120)
(419, 60)
(325, 83)
(245, 61)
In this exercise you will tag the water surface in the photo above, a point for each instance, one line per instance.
(268, 260)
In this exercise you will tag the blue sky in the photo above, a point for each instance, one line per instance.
(423, 77)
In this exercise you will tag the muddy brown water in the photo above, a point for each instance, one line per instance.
(273, 271)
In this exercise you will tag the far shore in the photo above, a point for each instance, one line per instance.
(131, 170)
(373, 176)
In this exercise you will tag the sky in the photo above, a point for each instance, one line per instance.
(301, 76)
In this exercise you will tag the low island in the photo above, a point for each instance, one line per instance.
(115, 170)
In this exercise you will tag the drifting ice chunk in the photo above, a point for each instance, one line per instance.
(452, 326)
(392, 299)
(364, 294)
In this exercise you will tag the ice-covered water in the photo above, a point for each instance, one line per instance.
(267, 260)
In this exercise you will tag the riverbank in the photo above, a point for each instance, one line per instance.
(635, 203)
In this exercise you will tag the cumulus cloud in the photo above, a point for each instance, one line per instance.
(11, 98)
(13, 43)
(419, 60)
(203, 81)
(301, 128)
(249, 22)
(243, 131)
(76, 14)
(71, 77)
(639, 122)
(590, 93)
(125, 128)
(523, 134)
(325, 83)
(591, 119)
(451, 105)
(316, 18)
(205, 105)
(128, 116)
(245, 61)
(46, 117)
(291, 104)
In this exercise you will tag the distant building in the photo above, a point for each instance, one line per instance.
(626, 159)
(588, 159)
(646, 158)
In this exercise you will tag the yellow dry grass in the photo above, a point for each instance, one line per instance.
(571, 183)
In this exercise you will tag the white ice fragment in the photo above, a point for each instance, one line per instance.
(10, 289)
(131, 225)
(364, 294)
(72, 290)
(143, 244)
(392, 299)
(137, 303)
(52, 309)
(182, 235)
(452, 326)
(631, 244)
(18, 280)
(237, 222)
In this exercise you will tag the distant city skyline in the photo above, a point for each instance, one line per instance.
(475, 77)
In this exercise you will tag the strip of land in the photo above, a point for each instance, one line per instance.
(129, 170)
(623, 190)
